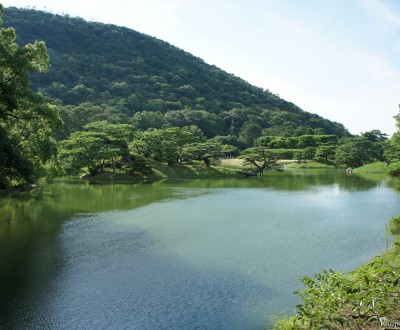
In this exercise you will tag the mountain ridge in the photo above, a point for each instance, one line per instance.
(127, 72)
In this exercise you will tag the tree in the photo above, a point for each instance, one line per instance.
(202, 151)
(229, 150)
(325, 153)
(165, 145)
(392, 148)
(26, 119)
(309, 153)
(148, 119)
(357, 151)
(100, 142)
(174, 139)
(82, 149)
(260, 157)
(249, 133)
(375, 135)
(13, 165)
(306, 141)
(149, 144)
(392, 151)
(395, 225)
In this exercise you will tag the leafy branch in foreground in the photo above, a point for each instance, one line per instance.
(27, 148)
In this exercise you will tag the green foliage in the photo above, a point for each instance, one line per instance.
(394, 170)
(325, 153)
(309, 153)
(357, 151)
(261, 158)
(26, 119)
(15, 169)
(104, 72)
(392, 148)
(249, 133)
(309, 165)
(378, 167)
(290, 323)
(189, 171)
(395, 225)
(228, 139)
(139, 165)
(355, 300)
(165, 145)
(292, 142)
(286, 153)
(229, 150)
(202, 151)
(148, 119)
(375, 136)
(93, 148)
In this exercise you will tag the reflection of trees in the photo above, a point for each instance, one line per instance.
(26, 227)
(30, 224)
(310, 178)
(291, 180)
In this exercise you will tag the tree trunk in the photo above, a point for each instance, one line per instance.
(207, 162)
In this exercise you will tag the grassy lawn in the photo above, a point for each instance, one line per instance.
(309, 164)
(378, 167)
(231, 162)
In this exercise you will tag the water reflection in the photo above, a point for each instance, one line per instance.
(181, 253)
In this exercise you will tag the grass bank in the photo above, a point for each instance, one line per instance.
(161, 171)
(378, 167)
(309, 164)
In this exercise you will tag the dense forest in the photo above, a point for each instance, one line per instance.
(112, 73)
(117, 98)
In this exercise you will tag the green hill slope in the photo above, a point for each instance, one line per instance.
(112, 73)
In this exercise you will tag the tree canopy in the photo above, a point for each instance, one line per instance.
(260, 157)
(357, 151)
(26, 118)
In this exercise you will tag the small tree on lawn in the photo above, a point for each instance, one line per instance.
(202, 151)
(260, 157)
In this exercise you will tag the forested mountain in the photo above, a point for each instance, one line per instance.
(111, 73)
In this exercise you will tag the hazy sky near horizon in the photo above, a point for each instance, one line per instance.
(338, 58)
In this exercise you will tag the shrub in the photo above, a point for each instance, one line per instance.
(394, 170)
(395, 225)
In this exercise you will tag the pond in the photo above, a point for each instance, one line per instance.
(182, 254)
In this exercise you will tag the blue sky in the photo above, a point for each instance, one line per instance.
(336, 58)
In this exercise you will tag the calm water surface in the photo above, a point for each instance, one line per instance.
(182, 254)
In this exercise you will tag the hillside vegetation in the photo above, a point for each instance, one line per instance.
(106, 72)
(128, 101)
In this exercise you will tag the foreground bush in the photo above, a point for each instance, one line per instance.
(362, 299)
